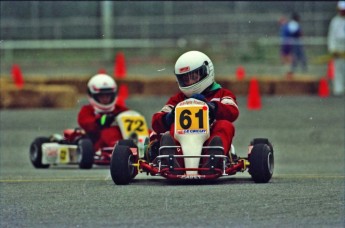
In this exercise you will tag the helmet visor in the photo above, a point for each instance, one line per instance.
(105, 97)
(192, 77)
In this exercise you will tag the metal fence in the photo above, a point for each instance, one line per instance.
(145, 20)
(244, 30)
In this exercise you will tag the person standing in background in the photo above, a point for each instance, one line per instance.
(294, 35)
(285, 46)
(336, 47)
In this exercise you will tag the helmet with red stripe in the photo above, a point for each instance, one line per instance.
(102, 90)
(194, 72)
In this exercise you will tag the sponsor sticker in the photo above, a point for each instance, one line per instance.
(51, 155)
(184, 69)
(192, 177)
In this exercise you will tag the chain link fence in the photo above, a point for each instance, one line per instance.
(63, 38)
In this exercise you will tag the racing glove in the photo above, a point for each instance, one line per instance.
(106, 120)
(212, 110)
(212, 106)
(169, 118)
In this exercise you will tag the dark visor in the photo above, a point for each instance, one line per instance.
(108, 92)
(183, 79)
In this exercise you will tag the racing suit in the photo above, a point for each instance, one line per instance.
(106, 136)
(226, 113)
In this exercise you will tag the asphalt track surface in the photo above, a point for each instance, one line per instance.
(307, 188)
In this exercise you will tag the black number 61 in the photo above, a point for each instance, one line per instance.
(186, 121)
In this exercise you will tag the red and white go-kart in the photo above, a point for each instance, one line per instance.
(75, 147)
(192, 129)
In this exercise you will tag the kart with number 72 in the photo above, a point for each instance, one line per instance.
(75, 147)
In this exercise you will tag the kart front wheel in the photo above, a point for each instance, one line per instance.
(263, 141)
(85, 151)
(126, 142)
(261, 163)
(121, 165)
(36, 152)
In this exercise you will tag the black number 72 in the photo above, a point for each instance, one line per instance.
(138, 125)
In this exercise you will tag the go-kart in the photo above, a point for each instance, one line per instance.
(192, 129)
(75, 147)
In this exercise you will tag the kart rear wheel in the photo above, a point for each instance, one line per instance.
(85, 151)
(121, 165)
(36, 152)
(261, 163)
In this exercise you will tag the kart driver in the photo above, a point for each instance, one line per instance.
(97, 117)
(195, 76)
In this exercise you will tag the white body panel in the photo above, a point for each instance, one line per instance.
(54, 153)
(132, 122)
(192, 137)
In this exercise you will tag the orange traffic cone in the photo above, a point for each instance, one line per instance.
(240, 73)
(17, 76)
(120, 65)
(122, 95)
(323, 88)
(330, 69)
(254, 98)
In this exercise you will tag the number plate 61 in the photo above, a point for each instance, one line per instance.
(191, 120)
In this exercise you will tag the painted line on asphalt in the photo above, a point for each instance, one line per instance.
(52, 180)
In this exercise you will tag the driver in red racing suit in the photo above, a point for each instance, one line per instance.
(195, 75)
(97, 117)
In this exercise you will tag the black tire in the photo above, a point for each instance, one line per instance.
(127, 142)
(85, 150)
(36, 152)
(261, 141)
(261, 161)
(131, 144)
(121, 165)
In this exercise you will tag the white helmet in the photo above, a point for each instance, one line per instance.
(102, 84)
(194, 62)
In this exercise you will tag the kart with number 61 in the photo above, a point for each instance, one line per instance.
(183, 160)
